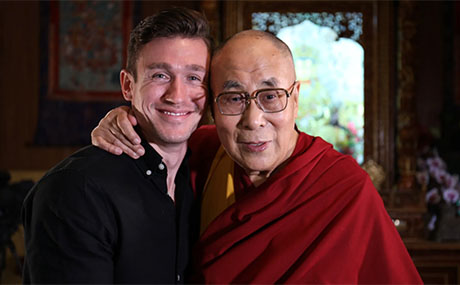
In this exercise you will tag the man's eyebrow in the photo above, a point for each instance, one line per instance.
(167, 66)
(195, 67)
(231, 84)
(159, 65)
(270, 82)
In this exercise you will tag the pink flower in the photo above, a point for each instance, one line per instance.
(432, 196)
(435, 163)
(451, 181)
(450, 195)
(440, 175)
(352, 128)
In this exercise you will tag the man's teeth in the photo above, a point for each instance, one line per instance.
(257, 144)
(174, 114)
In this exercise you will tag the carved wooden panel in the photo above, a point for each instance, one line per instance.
(437, 263)
(407, 202)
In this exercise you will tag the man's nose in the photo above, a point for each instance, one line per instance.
(176, 92)
(253, 117)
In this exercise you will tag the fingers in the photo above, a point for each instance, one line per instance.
(98, 139)
(121, 141)
(127, 135)
(114, 143)
(115, 134)
(132, 118)
(124, 123)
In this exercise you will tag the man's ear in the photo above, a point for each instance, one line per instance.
(127, 84)
(295, 97)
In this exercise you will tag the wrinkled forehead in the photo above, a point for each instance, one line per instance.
(246, 47)
(250, 61)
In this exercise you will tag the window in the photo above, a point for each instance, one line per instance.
(331, 71)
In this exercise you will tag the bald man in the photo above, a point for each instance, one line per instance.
(278, 205)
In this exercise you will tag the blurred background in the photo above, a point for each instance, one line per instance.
(380, 80)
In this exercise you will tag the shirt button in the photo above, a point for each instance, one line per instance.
(161, 166)
(148, 172)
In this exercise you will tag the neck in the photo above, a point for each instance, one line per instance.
(172, 154)
(257, 178)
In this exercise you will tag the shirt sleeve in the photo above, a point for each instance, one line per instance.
(69, 235)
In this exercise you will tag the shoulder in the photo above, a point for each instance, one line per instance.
(204, 144)
(94, 164)
(338, 178)
(69, 200)
(86, 170)
(205, 135)
(330, 158)
(326, 165)
(88, 159)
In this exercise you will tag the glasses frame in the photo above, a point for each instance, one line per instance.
(248, 98)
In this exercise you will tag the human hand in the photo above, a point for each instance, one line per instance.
(115, 133)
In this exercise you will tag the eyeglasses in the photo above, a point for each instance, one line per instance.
(269, 100)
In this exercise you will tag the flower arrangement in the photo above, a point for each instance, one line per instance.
(347, 144)
(442, 188)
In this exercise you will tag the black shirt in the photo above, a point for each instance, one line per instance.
(101, 218)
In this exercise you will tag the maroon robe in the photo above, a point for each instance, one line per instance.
(317, 220)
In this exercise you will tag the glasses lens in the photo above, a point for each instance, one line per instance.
(273, 100)
(231, 103)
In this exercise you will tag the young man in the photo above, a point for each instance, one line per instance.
(100, 218)
(278, 205)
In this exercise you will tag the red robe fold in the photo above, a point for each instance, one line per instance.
(317, 220)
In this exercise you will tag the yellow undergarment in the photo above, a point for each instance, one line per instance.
(219, 192)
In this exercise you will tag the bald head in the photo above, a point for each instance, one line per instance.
(261, 35)
(253, 49)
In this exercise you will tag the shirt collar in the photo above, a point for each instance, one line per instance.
(152, 162)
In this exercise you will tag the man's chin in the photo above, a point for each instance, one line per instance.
(175, 138)
(170, 134)
(255, 167)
